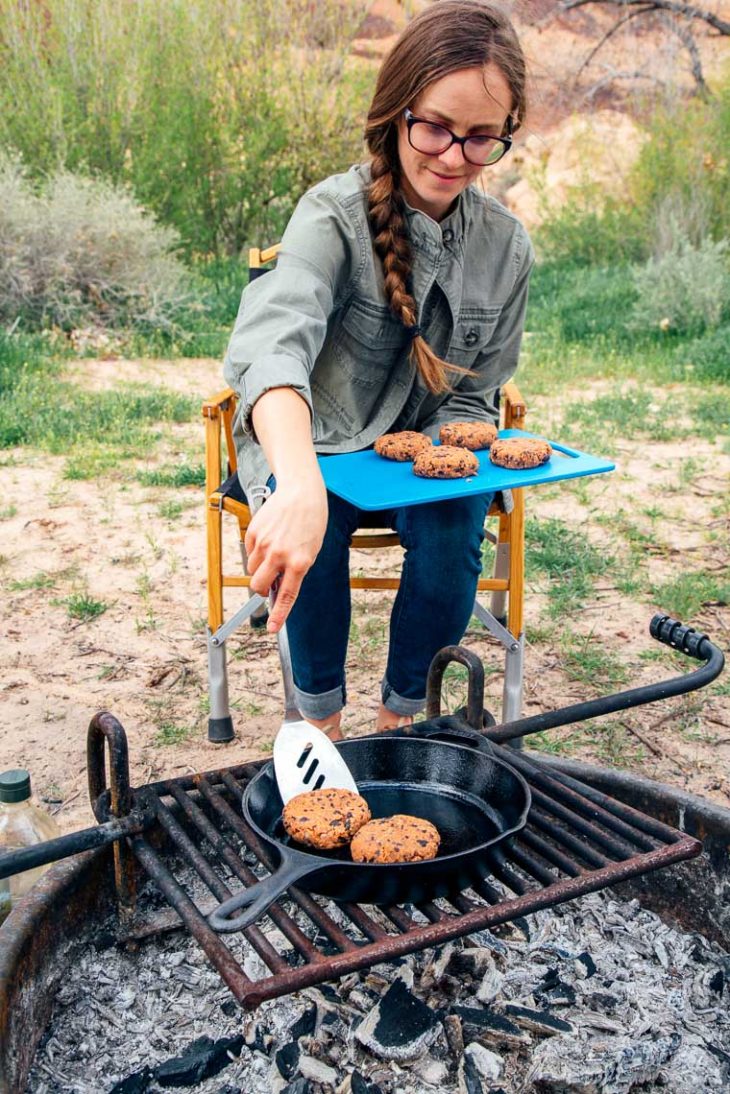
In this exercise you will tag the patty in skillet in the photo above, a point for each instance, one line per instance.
(325, 818)
(399, 838)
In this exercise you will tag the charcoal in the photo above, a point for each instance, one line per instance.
(399, 1027)
(604, 1000)
(489, 1065)
(317, 1070)
(287, 1060)
(469, 1078)
(138, 1083)
(479, 1024)
(230, 1008)
(299, 1086)
(588, 965)
(550, 980)
(454, 1034)
(562, 995)
(359, 1085)
(539, 1021)
(472, 962)
(612, 1066)
(203, 1059)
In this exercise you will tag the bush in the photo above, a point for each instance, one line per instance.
(707, 358)
(682, 174)
(79, 251)
(686, 290)
(218, 115)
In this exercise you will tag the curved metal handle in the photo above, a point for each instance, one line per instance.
(665, 630)
(104, 728)
(475, 694)
(259, 898)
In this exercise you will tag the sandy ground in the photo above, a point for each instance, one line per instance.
(140, 551)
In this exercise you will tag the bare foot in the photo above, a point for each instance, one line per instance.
(331, 726)
(388, 719)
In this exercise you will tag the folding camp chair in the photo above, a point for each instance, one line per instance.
(504, 618)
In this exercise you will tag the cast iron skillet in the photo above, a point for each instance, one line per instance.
(476, 801)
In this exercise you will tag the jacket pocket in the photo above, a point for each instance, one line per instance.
(472, 334)
(367, 341)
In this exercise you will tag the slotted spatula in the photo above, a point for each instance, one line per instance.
(304, 757)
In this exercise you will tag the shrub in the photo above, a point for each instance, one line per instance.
(78, 251)
(686, 290)
(217, 114)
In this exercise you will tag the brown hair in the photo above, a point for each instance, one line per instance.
(449, 35)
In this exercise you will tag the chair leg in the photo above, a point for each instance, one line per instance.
(512, 689)
(498, 601)
(220, 723)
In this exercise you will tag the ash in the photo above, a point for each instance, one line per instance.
(597, 996)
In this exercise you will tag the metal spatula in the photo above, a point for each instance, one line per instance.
(304, 757)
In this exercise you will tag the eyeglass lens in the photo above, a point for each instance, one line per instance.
(434, 139)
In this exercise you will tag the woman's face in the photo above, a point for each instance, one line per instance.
(468, 102)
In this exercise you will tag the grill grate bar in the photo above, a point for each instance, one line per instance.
(215, 950)
(617, 848)
(655, 828)
(576, 801)
(529, 875)
(566, 839)
(551, 853)
(242, 829)
(230, 857)
(532, 867)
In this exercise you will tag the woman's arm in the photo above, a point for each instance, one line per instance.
(285, 536)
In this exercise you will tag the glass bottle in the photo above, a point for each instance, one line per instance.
(22, 824)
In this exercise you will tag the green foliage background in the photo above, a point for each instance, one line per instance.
(215, 112)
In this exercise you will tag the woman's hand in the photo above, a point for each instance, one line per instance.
(283, 540)
(285, 536)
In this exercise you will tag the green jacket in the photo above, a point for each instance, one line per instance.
(319, 321)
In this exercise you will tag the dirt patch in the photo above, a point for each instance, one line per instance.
(136, 554)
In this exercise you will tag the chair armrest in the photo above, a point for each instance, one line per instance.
(515, 408)
(212, 407)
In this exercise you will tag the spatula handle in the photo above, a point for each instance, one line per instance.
(258, 495)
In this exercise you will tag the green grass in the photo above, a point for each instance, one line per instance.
(587, 660)
(172, 733)
(570, 563)
(8, 511)
(684, 596)
(175, 475)
(83, 607)
(37, 581)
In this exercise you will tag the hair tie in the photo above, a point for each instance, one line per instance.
(414, 331)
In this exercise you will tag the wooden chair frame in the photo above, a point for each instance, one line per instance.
(504, 619)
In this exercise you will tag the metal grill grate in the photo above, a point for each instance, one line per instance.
(577, 840)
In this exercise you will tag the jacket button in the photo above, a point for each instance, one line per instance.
(448, 235)
(472, 336)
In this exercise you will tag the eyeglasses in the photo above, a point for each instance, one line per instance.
(433, 140)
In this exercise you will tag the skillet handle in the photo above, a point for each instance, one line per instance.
(259, 898)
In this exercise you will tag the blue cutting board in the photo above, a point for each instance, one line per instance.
(370, 482)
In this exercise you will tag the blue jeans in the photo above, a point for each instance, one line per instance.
(441, 567)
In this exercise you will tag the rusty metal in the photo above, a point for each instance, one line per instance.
(105, 729)
(577, 841)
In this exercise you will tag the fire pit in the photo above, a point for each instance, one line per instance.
(584, 833)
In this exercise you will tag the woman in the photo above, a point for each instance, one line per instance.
(397, 302)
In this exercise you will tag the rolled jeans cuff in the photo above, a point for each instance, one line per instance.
(398, 704)
(320, 706)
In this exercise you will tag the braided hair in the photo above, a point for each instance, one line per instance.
(448, 36)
